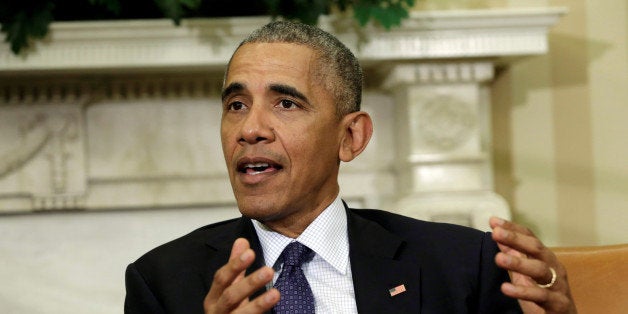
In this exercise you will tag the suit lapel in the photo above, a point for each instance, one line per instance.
(376, 267)
(242, 228)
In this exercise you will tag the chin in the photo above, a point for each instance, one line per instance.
(257, 208)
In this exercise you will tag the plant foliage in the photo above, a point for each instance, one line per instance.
(25, 21)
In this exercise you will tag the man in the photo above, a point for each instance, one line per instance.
(291, 114)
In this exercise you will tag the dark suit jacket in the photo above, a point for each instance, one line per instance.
(445, 268)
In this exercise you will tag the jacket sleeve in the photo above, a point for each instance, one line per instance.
(139, 298)
(491, 298)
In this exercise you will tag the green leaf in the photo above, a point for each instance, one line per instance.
(24, 21)
(362, 14)
(387, 13)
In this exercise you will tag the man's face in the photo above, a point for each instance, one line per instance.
(280, 134)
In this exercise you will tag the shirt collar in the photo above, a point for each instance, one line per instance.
(326, 236)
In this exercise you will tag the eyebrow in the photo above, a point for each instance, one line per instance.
(232, 88)
(284, 89)
(288, 90)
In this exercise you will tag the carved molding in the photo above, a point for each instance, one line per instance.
(445, 122)
(439, 73)
(208, 43)
(33, 138)
(39, 130)
(42, 156)
(116, 87)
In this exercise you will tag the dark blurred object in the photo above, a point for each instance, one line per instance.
(26, 20)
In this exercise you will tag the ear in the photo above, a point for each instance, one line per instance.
(357, 130)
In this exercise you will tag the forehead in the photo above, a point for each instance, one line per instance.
(271, 62)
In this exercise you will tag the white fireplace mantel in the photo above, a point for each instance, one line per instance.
(125, 114)
(208, 43)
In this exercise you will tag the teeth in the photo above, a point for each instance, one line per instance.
(257, 165)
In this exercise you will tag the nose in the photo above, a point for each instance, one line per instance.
(256, 127)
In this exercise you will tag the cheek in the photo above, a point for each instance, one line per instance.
(226, 135)
(314, 146)
(326, 136)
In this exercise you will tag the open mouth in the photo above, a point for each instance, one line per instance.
(254, 168)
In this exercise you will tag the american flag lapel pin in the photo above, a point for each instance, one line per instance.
(397, 290)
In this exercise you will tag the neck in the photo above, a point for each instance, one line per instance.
(294, 225)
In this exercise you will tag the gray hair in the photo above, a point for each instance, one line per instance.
(337, 67)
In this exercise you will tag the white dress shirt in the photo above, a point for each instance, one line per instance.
(329, 272)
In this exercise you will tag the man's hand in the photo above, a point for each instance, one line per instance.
(230, 289)
(528, 261)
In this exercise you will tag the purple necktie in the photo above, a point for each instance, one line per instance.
(296, 294)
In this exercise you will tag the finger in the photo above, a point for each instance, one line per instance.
(239, 247)
(509, 225)
(234, 295)
(497, 224)
(533, 268)
(241, 257)
(552, 302)
(263, 303)
(507, 249)
(524, 243)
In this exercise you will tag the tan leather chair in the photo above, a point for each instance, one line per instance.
(598, 276)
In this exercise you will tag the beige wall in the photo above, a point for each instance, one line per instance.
(569, 176)
(559, 125)
(559, 122)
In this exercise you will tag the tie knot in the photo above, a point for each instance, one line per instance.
(296, 254)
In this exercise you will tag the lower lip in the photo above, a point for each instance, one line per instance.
(251, 178)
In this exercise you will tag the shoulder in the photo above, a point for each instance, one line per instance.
(454, 262)
(429, 239)
(443, 250)
(404, 225)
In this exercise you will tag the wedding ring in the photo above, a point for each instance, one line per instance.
(552, 282)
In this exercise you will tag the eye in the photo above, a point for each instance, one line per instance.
(236, 106)
(287, 104)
